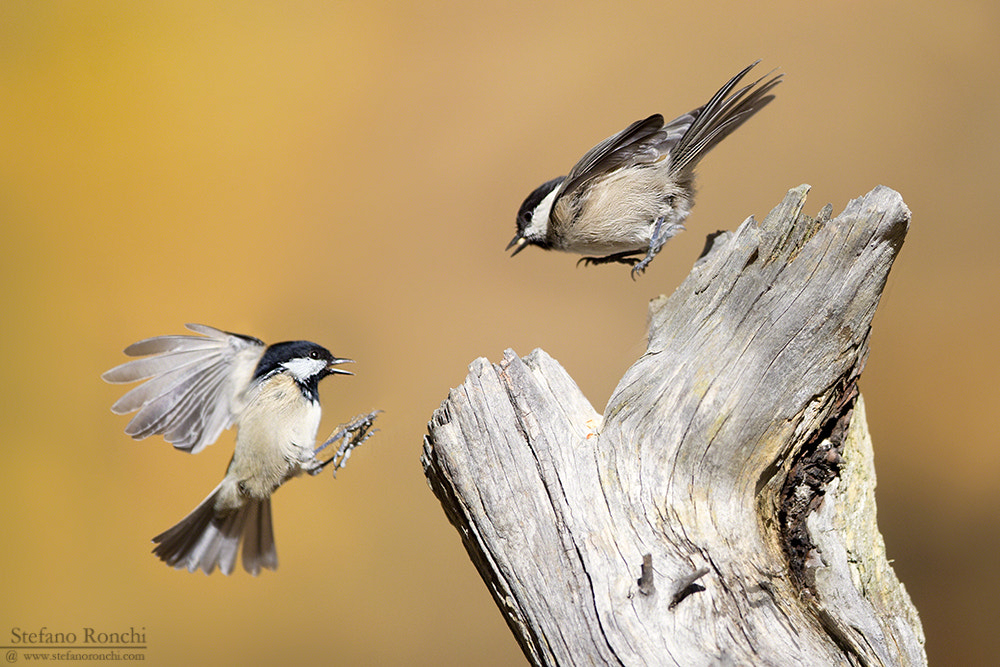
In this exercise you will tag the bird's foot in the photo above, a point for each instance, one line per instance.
(620, 258)
(661, 232)
(352, 435)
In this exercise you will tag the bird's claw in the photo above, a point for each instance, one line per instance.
(638, 268)
(661, 232)
(352, 434)
(620, 258)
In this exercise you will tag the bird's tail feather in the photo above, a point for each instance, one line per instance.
(721, 116)
(258, 538)
(205, 538)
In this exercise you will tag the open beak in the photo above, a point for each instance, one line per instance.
(331, 367)
(518, 241)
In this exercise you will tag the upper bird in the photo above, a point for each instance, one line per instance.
(630, 193)
(197, 387)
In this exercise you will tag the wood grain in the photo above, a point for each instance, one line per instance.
(733, 457)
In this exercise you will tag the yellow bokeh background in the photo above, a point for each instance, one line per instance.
(349, 173)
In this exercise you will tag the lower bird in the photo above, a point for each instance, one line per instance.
(630, 193)
(198, 386)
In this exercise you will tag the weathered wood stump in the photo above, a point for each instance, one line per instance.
(722, 510)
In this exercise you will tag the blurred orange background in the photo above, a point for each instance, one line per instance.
(349, 173)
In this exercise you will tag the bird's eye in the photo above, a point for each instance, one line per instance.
(314, 354)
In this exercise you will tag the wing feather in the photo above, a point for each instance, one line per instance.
(685, 139)
(613, 153)
(720, 117)
(193, 387)
(167, 411)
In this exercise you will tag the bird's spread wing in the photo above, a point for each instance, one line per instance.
(636, 144)
(194, 385)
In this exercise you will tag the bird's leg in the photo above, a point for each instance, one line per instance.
(661, 232)
(620, 257)
(352, 434)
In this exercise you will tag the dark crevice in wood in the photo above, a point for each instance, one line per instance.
(811, 471)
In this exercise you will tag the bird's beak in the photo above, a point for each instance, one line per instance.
(331, 367)
(518, 241)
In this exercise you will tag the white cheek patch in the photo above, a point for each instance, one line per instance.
(540, 217)
(303, 368)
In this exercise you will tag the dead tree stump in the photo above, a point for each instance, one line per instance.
(722, 510)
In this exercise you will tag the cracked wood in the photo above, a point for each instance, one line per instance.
(711, 437)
